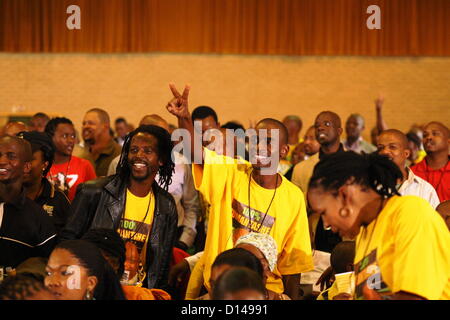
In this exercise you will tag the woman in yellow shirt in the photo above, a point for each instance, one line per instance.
(402, 243)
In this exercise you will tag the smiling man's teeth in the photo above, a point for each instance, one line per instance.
(139, 165)
(3, 170)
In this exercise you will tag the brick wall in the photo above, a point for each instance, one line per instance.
(244, 88)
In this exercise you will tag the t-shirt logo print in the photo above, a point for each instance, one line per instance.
(369, 282)
(246, 220)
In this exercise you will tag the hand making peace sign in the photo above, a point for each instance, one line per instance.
(178, 105)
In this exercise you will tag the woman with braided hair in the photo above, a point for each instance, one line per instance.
(402, 244)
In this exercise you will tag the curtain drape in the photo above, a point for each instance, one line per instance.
(286, 27)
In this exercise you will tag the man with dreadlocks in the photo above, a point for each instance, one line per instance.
(133, 203)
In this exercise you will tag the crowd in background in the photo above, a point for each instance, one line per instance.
(117, 213)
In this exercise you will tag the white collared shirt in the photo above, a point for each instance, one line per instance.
(416, 186)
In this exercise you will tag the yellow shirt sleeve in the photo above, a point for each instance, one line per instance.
(210, 180)
(421, 263)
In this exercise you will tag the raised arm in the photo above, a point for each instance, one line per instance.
(381, 124)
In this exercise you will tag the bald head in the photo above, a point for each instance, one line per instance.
(328, 130)
(269, 123)
(399, 136)
(436, 138)
(393, 144)
(334, 118)
(24, 146)
(441, 126)
(154, 120)
(103, 116)
(14, 127)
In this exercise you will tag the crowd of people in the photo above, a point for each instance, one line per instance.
(200, 210)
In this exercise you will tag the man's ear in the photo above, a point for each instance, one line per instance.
(340, 131)
(27, 167)
(284, 150)
(407, 153)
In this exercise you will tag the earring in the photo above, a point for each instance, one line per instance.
(88, 295)
(344, 212)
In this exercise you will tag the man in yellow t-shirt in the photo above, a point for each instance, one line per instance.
(392, 257)
(247, 197)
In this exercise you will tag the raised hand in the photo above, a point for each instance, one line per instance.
(379, 102)
(178, 105)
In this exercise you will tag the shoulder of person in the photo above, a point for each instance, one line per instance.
(163, 195)
(95, 185)
(410, 208)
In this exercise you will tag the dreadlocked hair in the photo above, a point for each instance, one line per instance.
(165, 147)
(370, 170)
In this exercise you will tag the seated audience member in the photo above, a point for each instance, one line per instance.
(264, 247)
(100, 147)
(444, 210)
(13, 128)
(113, 250)
(181, 188)
(38, 122)
(133, 203)
(408, 254)
(38, 188)
(26, 229)
(122, 129)
(225, 182)
(393, 144)
(24, 287)
(341, 261)
(415, 145)
(67, 171)
(239, 284)
(435, 167)
(81, 261)
(238, 257)
(354, 126)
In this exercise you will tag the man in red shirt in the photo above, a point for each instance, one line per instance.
(435, 168)
(67, 171)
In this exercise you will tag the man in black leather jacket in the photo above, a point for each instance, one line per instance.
(102, 203)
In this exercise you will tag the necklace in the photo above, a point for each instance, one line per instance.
(268, 208)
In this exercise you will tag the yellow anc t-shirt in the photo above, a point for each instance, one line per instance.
(134, 230)
(225, 187)
(407, 248)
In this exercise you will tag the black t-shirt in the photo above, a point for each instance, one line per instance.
(26, 231)
(55, 203)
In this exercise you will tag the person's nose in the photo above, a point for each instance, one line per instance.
(3, 159)
(383, 151)
(53, 281)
